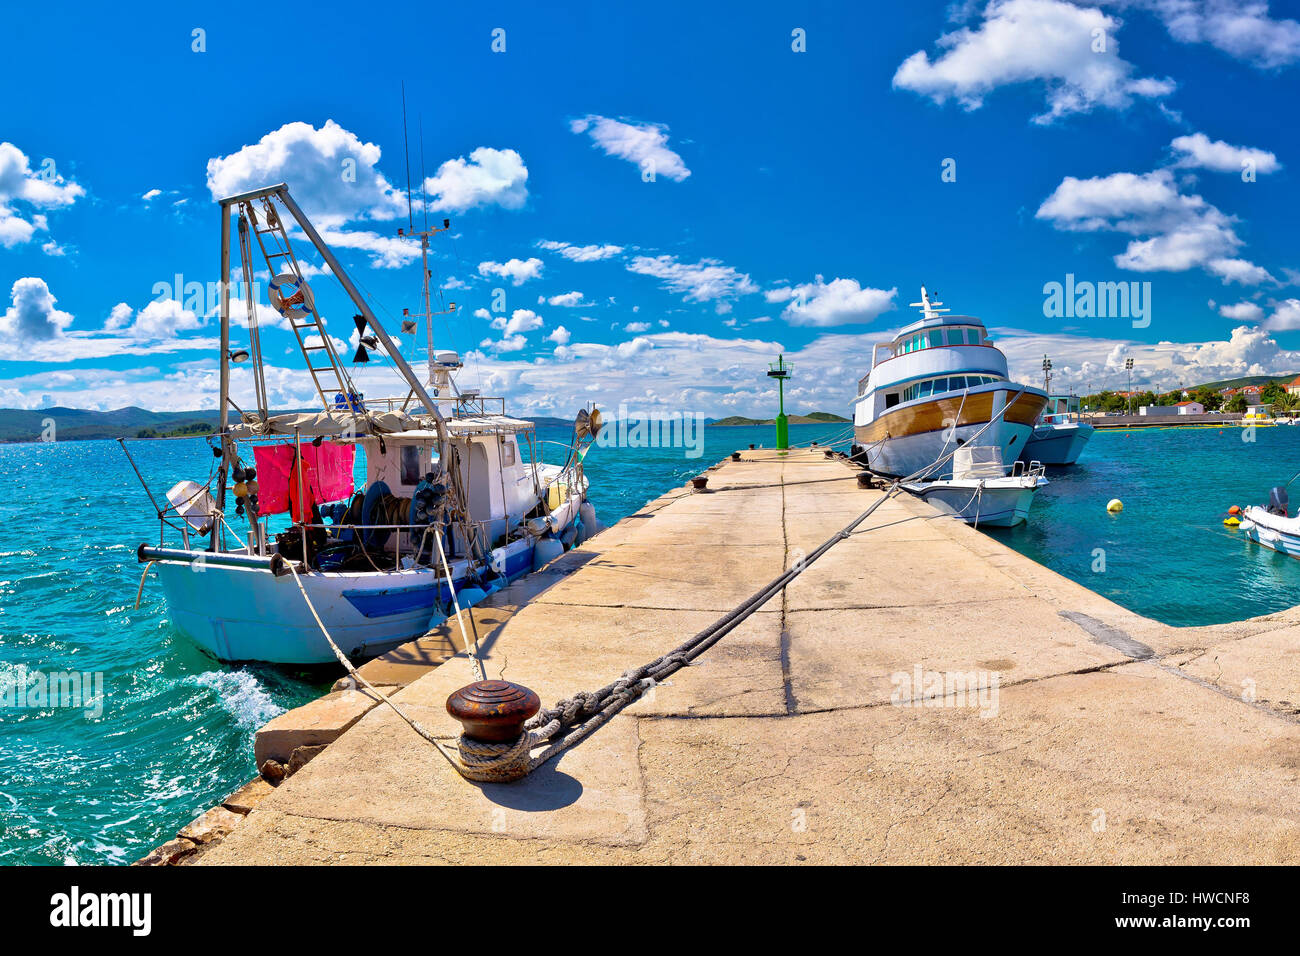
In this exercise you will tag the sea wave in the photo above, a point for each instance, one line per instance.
(241, 693)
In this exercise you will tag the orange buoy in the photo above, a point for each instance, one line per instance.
(1234, 510)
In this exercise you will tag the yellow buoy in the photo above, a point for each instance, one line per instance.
(1231, 522)
(1115, 506)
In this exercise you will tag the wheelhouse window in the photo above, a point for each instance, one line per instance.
(938, 386)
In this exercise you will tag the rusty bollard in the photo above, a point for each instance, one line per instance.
(751, 446)
(865, 479)
(494, 747)
(735, 456)
(829, 453)
(700, 482)
(493, 711)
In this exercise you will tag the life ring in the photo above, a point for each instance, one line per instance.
(291, 296)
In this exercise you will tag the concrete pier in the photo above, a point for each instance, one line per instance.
(832, 725)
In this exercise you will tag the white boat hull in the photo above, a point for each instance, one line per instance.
(250, 614)
(1272, 531)
(1057, 444)
(995, 502)
(907, 454)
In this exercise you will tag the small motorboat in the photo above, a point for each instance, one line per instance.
(1271, 526)
(982, 490)
(1057, 439)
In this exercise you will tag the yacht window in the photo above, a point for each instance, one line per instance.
(507, 453)
(941, 385)
(973, 336)
(891, 399)
(924, 389)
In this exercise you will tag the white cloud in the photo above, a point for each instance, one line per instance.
(510, 343)
(119, 317)
(151, 194)
(580, 253)
(521, 320)
(331, 173)
(838, 302)
(518, 271)
(162, 319)
(33, 329)
(1285, 317)
(560, 336)
(569, 300)
(387, 252)
(31, 313)
(1242, 312)
(635, 327)
(1241, 28)
(646, 144)
(1197, 150)
(490, 177)
(1032, 41)
(1182, 231)
(703, 281)
(21, 186)
(1239, 270)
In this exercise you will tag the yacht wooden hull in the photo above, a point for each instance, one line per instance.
(909, 437)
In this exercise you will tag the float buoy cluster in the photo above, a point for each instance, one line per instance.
(1234, 517)
(1115, 506)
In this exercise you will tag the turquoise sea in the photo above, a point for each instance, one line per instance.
(175, 733)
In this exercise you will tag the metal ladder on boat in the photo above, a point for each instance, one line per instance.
(282, 261)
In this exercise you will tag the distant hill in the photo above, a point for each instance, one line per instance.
(1243, 382)
(28, 424)
(82, 424)
(812, 418)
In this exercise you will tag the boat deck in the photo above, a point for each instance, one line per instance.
(1110, 738)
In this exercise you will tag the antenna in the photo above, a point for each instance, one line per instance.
(927, 307)
(406, 146)
(424, 195)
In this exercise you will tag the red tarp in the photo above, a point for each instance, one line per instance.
(327, 476)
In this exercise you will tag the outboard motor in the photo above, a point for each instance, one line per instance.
(1277, 501)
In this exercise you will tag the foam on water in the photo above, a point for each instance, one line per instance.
(242, 694)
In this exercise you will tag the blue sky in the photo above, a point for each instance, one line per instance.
(797, 200)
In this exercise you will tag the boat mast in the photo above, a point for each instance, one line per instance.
(424, 235)
(224, 390)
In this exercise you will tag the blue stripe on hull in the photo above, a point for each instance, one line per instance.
(385, 602)
(388, 601)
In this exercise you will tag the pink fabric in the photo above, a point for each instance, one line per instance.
(327, 474)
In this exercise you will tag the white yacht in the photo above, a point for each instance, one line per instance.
(933, 388)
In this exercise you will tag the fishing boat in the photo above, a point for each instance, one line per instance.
(983, 490)
(456, 500)
(1057, 439)
(1271, 526)
(936, 385)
